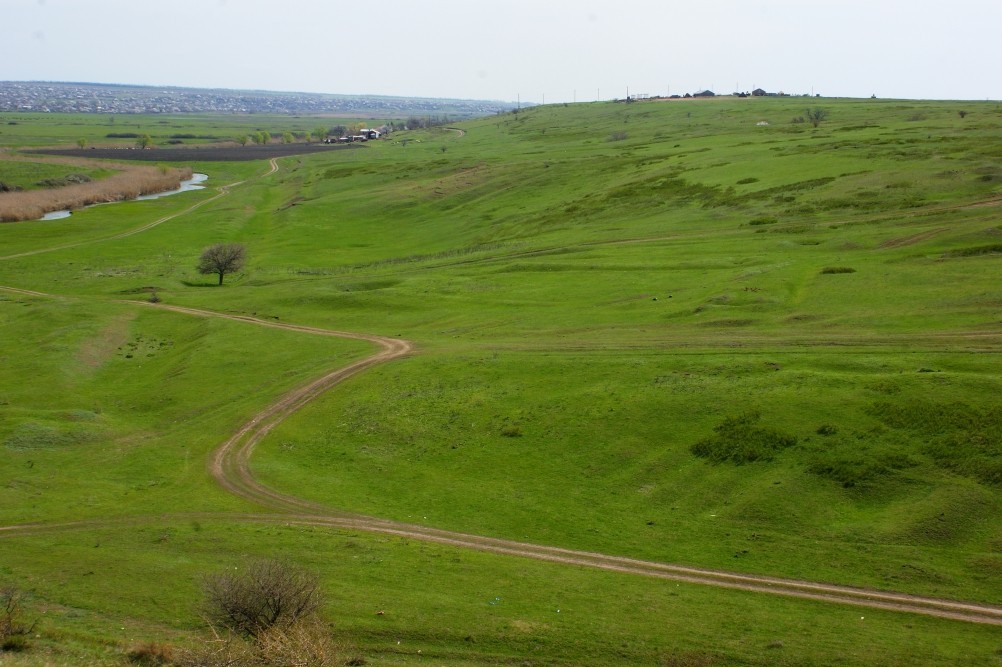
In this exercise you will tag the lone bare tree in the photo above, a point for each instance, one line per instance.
(221, 259)
(266, 594)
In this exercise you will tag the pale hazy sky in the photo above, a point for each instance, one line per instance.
(506, 49)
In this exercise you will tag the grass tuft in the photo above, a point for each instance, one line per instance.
(740, 440)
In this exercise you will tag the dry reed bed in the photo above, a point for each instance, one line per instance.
(130, 182)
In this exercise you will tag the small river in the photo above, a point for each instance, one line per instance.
(192, 183)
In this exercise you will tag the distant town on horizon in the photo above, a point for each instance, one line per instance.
(113, 98)
(70, 97)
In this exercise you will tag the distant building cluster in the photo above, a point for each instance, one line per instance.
(758, 92)
(115, 99)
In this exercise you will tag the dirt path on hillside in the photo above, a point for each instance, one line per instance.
(912, 239)
(230, 466)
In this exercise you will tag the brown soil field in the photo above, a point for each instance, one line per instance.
(197, 153)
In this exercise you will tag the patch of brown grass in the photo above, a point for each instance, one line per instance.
(96, 351)
(131, 182)
(304, 644)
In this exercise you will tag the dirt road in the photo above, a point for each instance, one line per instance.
(230, 466)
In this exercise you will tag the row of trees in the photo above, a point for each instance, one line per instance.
(416, 123)
(318, 133)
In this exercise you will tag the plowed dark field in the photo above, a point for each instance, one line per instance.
(198, 153)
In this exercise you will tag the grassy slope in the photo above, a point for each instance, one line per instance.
(29, 175)
(587, 310)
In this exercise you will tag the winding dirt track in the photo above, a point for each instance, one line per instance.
(230, 466)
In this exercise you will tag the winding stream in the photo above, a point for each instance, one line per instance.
(192, 183)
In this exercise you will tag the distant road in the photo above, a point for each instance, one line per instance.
(198, 153)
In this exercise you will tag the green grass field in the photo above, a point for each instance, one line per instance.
(660, 330)
(33, 175)
(32, 129)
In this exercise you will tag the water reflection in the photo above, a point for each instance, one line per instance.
(190, 184)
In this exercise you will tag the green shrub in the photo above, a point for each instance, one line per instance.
(14, 644)
(849, 472)
(14, 630)
(991, 249)
(962, 439)
(740, 440)
(838, 269)
(511, 431)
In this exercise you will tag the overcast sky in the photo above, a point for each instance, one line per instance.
(557, 50)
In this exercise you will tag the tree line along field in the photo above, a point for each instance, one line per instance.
(661, 330)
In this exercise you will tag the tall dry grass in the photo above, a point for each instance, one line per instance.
(131, 182)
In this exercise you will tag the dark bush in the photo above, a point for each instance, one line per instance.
(992, 249)
(69, 179)
(838, 269)
(740, 440)
(14, 630)
(264, 595)
(958, 437)
(849, 472)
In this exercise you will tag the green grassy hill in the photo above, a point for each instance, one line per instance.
(694, 332)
